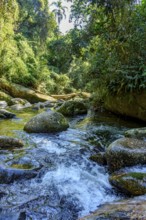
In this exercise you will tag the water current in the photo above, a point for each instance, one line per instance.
(68, 184)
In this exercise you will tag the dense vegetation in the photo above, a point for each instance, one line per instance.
(106, 50)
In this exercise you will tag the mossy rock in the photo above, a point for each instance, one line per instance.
(139, 133)
(9, 175)
(6, 114)
(125, 152)
(131, 183)
(9, 142)
(128, 104)
(72, 107)
(99, 158)
(47, 122)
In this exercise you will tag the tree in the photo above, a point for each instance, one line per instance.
(59, 11)
(35, 20)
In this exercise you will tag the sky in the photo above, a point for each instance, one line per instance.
(64, 25)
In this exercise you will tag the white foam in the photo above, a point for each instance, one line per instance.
(90, 189)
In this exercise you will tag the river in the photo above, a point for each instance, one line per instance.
(68, 184)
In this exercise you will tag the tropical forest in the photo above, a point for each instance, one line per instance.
(72, 109)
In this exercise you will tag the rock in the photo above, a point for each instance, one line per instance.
(49, 104)
(47, 122)
(131, 183)
(19, 91)
(3, 104)
(99, 158)
(18, 101)
(72, 107)
(136, 133)
(127, 209)
(9, 175)
(128, 104)
(18, 107)
(24, 162)
(38, 106)
(41, 105)
(125, 152)
(9, 142)
(6, 114)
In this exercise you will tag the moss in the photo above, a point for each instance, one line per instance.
(22, 166)
(132, 183)
(99, 158)
(9, 127)
(138, 176)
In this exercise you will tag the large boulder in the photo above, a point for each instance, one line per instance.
(73, 107)
(128, 104)
(46, 122)
(10, 142)
(125, 152)
(139, 133)
(127, 209)
(30, 95)
(131, 183)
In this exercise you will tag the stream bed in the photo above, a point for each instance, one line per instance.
(67, 185)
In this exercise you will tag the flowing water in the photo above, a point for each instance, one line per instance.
(68, 184)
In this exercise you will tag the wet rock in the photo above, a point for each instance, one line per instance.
(99, 158)
(9, 142)
(127, 209)
(72, 107)
(47, 122)
(125, 152)
(9, 175)
(139, 133)
(25, 162)
(3, 104)
(6, 114)
(131, 183)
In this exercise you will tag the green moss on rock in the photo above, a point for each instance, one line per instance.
(125, 152)
(72, 107)
(132, 183)
(139, 133)
(46, 122)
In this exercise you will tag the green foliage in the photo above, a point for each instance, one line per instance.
(107, 54)
(114, 33)
(35, 21)
(59, 10)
